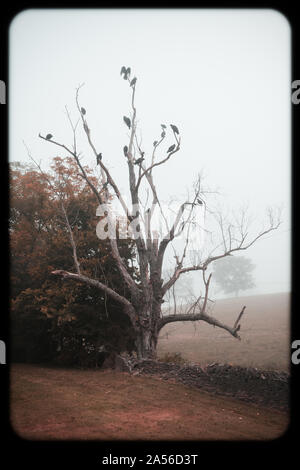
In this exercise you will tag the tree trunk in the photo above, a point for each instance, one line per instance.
(146, 344)
(147, 333)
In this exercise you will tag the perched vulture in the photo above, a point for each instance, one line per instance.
(125, 71)
(163, 126)
(174, 129)
(154, 143)
(99, 158)
(127, 121)
(49, 136)
(163, 134)
(83, 111)
(133, 81)
(125, 150)
(199, 201)
(139, 161)
(170, 149)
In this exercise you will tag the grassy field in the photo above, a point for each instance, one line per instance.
(265, 334)
(64, 404)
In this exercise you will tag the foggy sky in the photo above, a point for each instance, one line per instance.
(222, 76)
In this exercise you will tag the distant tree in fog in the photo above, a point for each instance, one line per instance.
(234, 274)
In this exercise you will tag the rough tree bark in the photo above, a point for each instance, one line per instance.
(144, 308)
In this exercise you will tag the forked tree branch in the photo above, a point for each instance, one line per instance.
(153, 165)
(104, 169)
(204, 317)
(240, 245)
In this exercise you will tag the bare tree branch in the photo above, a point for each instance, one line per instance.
(204, 317)
(158, 163)
(94, 283)
(106, 176)
(70, 232)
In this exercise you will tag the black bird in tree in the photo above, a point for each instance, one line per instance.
(174, 129)
(199, 201)
(139, 161)
(125, 72)
(83, 111)
(170, 149)
(49, 136)
(99, 158)
(155, 143)
(163, 126)
(133, 81)
(127, 121)
(163, 134)
(125, 150)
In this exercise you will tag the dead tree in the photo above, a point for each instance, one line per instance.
(144, 307)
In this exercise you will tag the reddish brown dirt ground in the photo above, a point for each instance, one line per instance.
(48, 403)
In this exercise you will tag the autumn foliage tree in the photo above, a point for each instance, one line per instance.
(53, 320)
